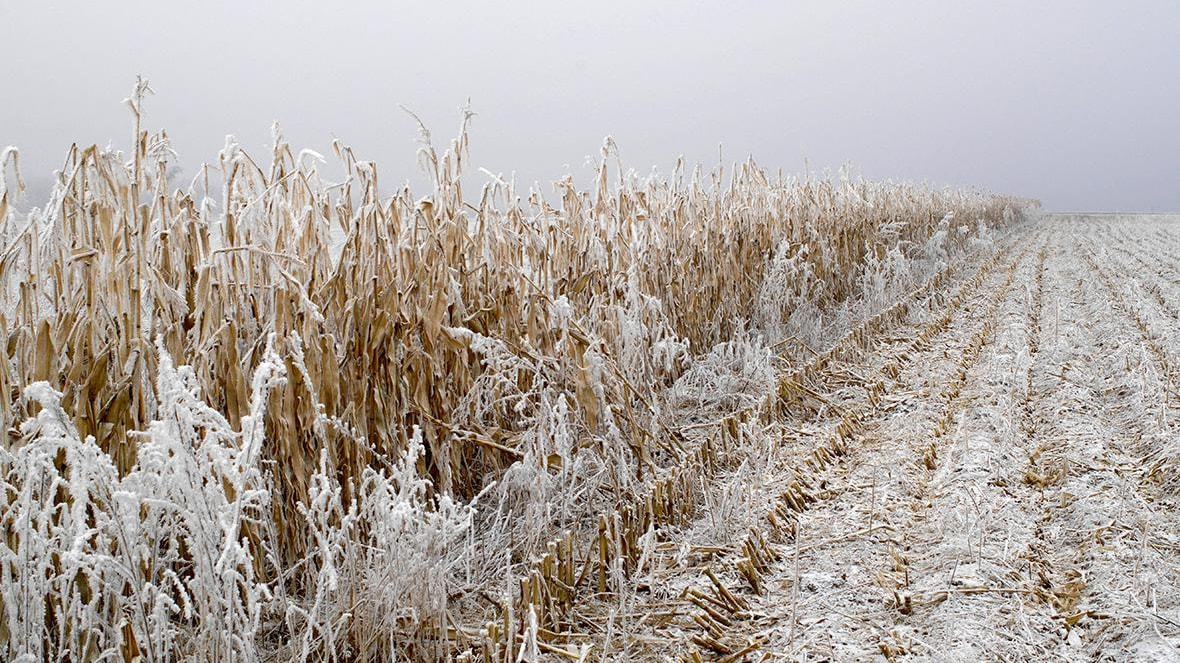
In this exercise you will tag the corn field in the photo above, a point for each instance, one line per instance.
(270, 417)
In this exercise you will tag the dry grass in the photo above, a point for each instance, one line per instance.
(489, 332)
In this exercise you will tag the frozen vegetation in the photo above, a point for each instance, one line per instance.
(716, 415)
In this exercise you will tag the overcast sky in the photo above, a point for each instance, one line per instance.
(1075, 103)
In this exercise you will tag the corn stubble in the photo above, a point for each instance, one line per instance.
(233, 435)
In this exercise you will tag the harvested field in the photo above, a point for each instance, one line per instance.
(1008, 490)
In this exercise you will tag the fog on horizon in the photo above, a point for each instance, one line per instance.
(1070, 102)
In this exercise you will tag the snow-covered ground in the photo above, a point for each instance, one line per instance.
(1010, 492)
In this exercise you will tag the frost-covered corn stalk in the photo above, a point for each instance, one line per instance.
(522, 340)
(173, 561)
(162, 561)
(9, 160)
(734, 375)
(382, 565)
